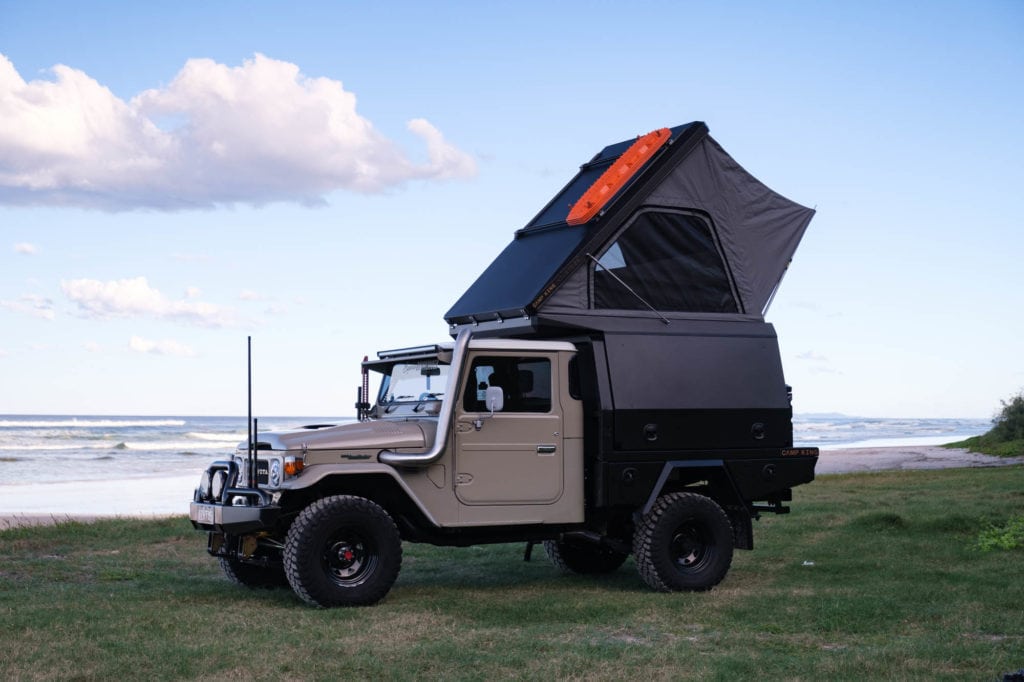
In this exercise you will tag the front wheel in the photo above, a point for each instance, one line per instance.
(342, 551)
(684, 543)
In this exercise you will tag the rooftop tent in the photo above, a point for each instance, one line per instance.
(687, 232)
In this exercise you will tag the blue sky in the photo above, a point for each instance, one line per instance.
(330, 177)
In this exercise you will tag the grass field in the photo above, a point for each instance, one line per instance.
(873, 576)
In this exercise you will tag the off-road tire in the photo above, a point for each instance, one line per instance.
(581, 557)
(684, 543)
(253, 575)
(342, 551)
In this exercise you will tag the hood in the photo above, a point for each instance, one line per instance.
(355, 436)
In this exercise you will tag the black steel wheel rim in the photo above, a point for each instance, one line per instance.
(690, 548)
(348, 558)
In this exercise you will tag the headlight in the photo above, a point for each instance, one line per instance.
(220, 479)
(275, 473)
(204, 486)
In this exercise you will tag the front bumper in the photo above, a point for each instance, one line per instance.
(233, 520)
(219, 507)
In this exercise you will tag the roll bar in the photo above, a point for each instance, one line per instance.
(444, 418)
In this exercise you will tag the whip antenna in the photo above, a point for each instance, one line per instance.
(250, 457)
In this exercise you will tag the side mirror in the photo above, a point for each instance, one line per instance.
(494, 399)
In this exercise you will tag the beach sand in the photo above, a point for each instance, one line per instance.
(48, 503)
(898, 457)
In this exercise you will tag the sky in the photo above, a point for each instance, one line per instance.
(328, 178)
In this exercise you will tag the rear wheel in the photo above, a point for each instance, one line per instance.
(582, 557)
(684, 543)
(342, 551)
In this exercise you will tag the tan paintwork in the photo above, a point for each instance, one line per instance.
(500, 478)
(491, 476)
(315, 474)
(377, 435)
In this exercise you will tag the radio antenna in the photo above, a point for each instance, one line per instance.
(249, 457)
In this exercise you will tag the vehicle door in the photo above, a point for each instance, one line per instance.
(513, 455)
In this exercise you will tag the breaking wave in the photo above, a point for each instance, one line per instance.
(86, 423)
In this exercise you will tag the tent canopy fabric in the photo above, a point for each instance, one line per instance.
(692, 232)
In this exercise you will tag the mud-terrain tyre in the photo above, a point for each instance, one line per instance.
(342, 551)
(684, 543)
(253, 575)
(582, 557)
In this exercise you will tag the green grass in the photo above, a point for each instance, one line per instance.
(873, 576)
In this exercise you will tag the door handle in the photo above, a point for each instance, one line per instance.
(546, 449)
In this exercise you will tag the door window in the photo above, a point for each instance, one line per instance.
(525, 382)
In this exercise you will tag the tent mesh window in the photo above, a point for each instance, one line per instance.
(670, 260)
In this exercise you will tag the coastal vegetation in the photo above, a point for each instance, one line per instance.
(1006, 437)
(890, 575)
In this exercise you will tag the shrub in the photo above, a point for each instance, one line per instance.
(1009, 423)
(1006, 437)
(1008, 536)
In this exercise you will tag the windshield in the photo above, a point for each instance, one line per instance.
(413, 382)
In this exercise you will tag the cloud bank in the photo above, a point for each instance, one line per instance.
(215, 135)
(135, 298)
(31, 304)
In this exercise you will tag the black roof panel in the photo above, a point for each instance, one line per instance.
(513, 280)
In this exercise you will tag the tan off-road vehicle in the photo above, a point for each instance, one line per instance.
(612, 389)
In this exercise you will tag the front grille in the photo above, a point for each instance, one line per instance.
(262, 472)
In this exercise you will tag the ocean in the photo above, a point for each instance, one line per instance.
(52, 449)
(140, 466)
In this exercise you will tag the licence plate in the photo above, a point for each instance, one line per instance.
(204, 514)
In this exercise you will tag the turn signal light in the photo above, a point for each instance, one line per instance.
(293, 466)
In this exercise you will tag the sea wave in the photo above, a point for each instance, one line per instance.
(183, 446)
(220, 437)
(86, 423)
(109, 445)
(180, 445)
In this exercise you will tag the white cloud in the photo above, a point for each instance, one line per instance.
(816, 363)
(248, 295)
(192, 292)
(253, 134)
(25, 248)
(446, 161)
(31, 304)
(135, 298)
(92, 347)
(276, 309)
(3, 353)
(165, 347)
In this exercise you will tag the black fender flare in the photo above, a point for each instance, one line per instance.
(739, 510)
